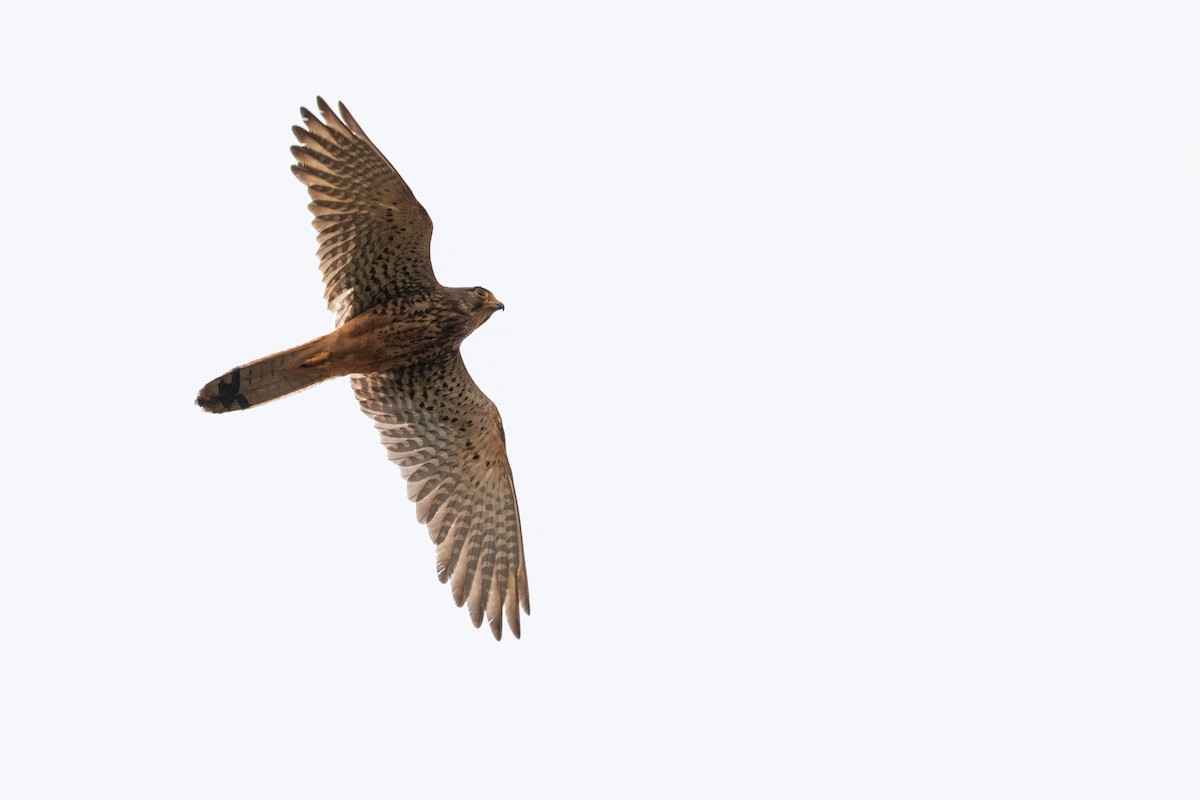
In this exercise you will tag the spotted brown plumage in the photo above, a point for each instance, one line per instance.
(397, 335)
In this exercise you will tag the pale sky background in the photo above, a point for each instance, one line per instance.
(849, 371)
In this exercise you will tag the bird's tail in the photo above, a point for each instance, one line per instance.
(268, 378)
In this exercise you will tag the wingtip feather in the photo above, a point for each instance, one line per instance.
(351, 122)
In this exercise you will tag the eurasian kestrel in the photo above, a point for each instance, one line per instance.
(397, 336)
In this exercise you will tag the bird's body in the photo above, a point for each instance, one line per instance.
(398, 334)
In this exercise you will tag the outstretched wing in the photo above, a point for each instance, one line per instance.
(373, 234)
(447, 439)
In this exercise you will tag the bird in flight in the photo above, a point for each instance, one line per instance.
(397, 336)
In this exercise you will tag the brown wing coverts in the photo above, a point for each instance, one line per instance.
(373, 234)
(447, 438)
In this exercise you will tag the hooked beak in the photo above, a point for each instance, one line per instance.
(496, 304)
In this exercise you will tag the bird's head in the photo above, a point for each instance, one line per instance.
(479, 304)
(484, 302)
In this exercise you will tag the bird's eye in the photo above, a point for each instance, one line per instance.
(480, 292)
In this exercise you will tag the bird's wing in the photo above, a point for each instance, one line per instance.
(447, 438)
(373, 234)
